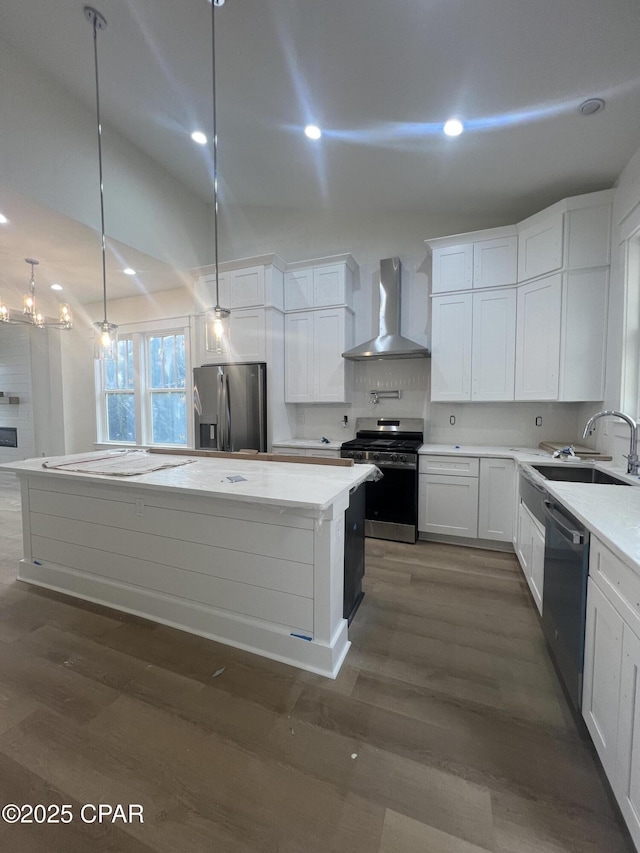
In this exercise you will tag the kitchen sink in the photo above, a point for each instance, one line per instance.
(577, 474)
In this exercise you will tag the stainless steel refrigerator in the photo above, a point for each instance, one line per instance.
(230, 402)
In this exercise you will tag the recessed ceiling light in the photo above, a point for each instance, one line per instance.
(3, 219)
(591, 106)
(453, 127)
(313, 131)
(199, 137)
(129, 271)
(56, 287)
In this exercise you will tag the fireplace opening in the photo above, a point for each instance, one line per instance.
(8, 437)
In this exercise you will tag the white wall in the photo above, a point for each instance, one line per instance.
(49, 153)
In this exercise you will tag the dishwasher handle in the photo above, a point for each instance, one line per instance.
(576, 537)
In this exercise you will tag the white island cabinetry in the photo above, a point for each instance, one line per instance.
(244, 552)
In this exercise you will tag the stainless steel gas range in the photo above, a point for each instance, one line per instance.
(391, 504)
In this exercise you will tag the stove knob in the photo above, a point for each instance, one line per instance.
(358, 454)
(375, 456)
(403, 458)
(394, 457)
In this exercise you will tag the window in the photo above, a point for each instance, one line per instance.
(142, 394)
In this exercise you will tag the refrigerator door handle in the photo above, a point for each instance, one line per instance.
(219, 429)
(227, 405)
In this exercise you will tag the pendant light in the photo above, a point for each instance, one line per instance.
(216, 317)
(30, 313)
(107, 337)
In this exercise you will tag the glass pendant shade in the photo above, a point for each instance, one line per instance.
(106, 340)
(4, 313)
(217, 330)
(65, 315)
(30, 313)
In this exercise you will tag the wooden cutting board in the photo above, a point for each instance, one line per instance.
(579, 449)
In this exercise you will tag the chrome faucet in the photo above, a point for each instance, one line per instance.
(632, 458)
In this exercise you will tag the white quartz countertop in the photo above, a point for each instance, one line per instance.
(520, 454)
(278, 484)
(308, 444)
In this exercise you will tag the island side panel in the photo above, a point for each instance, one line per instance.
(330, 626)
(220, 568)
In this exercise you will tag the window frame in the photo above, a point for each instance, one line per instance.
(140, 333)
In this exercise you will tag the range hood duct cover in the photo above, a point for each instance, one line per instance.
(389, 343)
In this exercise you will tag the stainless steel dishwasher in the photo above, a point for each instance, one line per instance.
(564, 597)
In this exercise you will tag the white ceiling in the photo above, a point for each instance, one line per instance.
(379, 77)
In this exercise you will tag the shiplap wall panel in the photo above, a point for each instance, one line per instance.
(264, 572)
(235, 534)
(270, 605)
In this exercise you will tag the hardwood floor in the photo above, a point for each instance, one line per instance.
(445, 732)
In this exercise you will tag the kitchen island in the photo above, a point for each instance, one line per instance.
(245, 552)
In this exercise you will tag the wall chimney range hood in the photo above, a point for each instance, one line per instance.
(389, 343)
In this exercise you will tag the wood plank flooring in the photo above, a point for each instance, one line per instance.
(446, 731)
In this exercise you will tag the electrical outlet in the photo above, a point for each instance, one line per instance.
(452, 420)
(300, 418)
(139, 507)
(538, 421)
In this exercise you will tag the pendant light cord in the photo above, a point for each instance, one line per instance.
(96, 19)
(215, 147)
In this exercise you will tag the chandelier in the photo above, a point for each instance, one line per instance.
(30, 313)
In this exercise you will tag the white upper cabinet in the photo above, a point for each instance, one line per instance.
(298, 290)
(493, 345)
(451, 329)
(495, 262)
(538, 339)
(320, 283)
(474, 263)
(452, 268)
(250, 283)
(588, 236)
(583, 334)
(246, 288)
(540, 246)
(315, 371)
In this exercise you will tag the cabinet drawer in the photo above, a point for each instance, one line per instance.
(620, 584)
(459, 466)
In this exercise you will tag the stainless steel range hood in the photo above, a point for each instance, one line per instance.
(389, 343)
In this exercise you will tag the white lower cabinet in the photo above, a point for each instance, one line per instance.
(466, 496)
(611, 687)
(294, 450)
(448, 505)
(495, 504)
(530, 552)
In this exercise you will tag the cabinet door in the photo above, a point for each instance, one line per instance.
(452, 268)
(538, 339)
(626, 784)
(205, 291)
(524, 540)
(494, 345)
(540, 247)
(298, 290)
(329, 284)
(247, 334)
(495, 505)
(602, 666)
(536, 569)
(584, 328)
(246, 288)
(298, 371)
(495, 262)
(451, 329)
(448, 505)
(328, 364)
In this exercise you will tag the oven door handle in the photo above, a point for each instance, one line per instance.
(576, 537)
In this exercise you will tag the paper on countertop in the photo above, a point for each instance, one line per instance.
(128, 463)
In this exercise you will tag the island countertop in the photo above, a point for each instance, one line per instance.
(277, 484)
